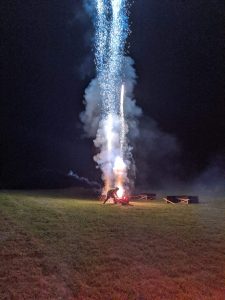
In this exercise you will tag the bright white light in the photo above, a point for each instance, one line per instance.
(122, 100)
(109, 132)
(120, 192)
(111, 33)
(100, 6)
(119, 166)
(116, 4)
(122, 120)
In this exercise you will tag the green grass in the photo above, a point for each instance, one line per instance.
(54, 246)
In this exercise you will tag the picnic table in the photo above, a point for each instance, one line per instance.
(183, 199)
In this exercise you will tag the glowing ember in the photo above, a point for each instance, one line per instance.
(120, 192)
(120, 171)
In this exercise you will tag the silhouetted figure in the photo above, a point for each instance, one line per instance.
(112, 194)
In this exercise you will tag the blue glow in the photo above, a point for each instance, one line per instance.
(111, 26)
(111, 33)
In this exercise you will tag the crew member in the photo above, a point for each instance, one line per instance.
(112, 194)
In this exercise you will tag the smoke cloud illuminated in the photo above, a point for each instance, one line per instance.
(110, 110)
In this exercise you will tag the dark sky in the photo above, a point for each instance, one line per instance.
(46, 57)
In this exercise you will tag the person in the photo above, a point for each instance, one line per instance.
(112, 194)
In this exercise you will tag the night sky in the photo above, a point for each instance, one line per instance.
(47, 62)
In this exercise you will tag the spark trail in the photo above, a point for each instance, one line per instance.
(111, 33)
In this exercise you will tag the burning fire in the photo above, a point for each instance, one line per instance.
(120, 192)
(115, 171)
(110, 94)
(119, 166)
(119, 170)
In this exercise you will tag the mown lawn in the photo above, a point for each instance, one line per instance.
(59, 247)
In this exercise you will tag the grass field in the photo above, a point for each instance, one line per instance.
(54, 246)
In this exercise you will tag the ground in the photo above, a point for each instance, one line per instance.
(55, 246)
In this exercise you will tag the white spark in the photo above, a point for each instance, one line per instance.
(122, 118)
(111, 33)
(109, 132)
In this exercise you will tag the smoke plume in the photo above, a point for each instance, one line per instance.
(211, 181)
(85, 180)
(102, 119)
(156, 153)
(94, 126)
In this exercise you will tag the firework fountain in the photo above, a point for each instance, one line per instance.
(108, 98)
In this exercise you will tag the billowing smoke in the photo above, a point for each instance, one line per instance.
(97, 127)
(211, 181)
(111, 116)
(157, 156)
(119, 129)
(92, 114)
(85, 180)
